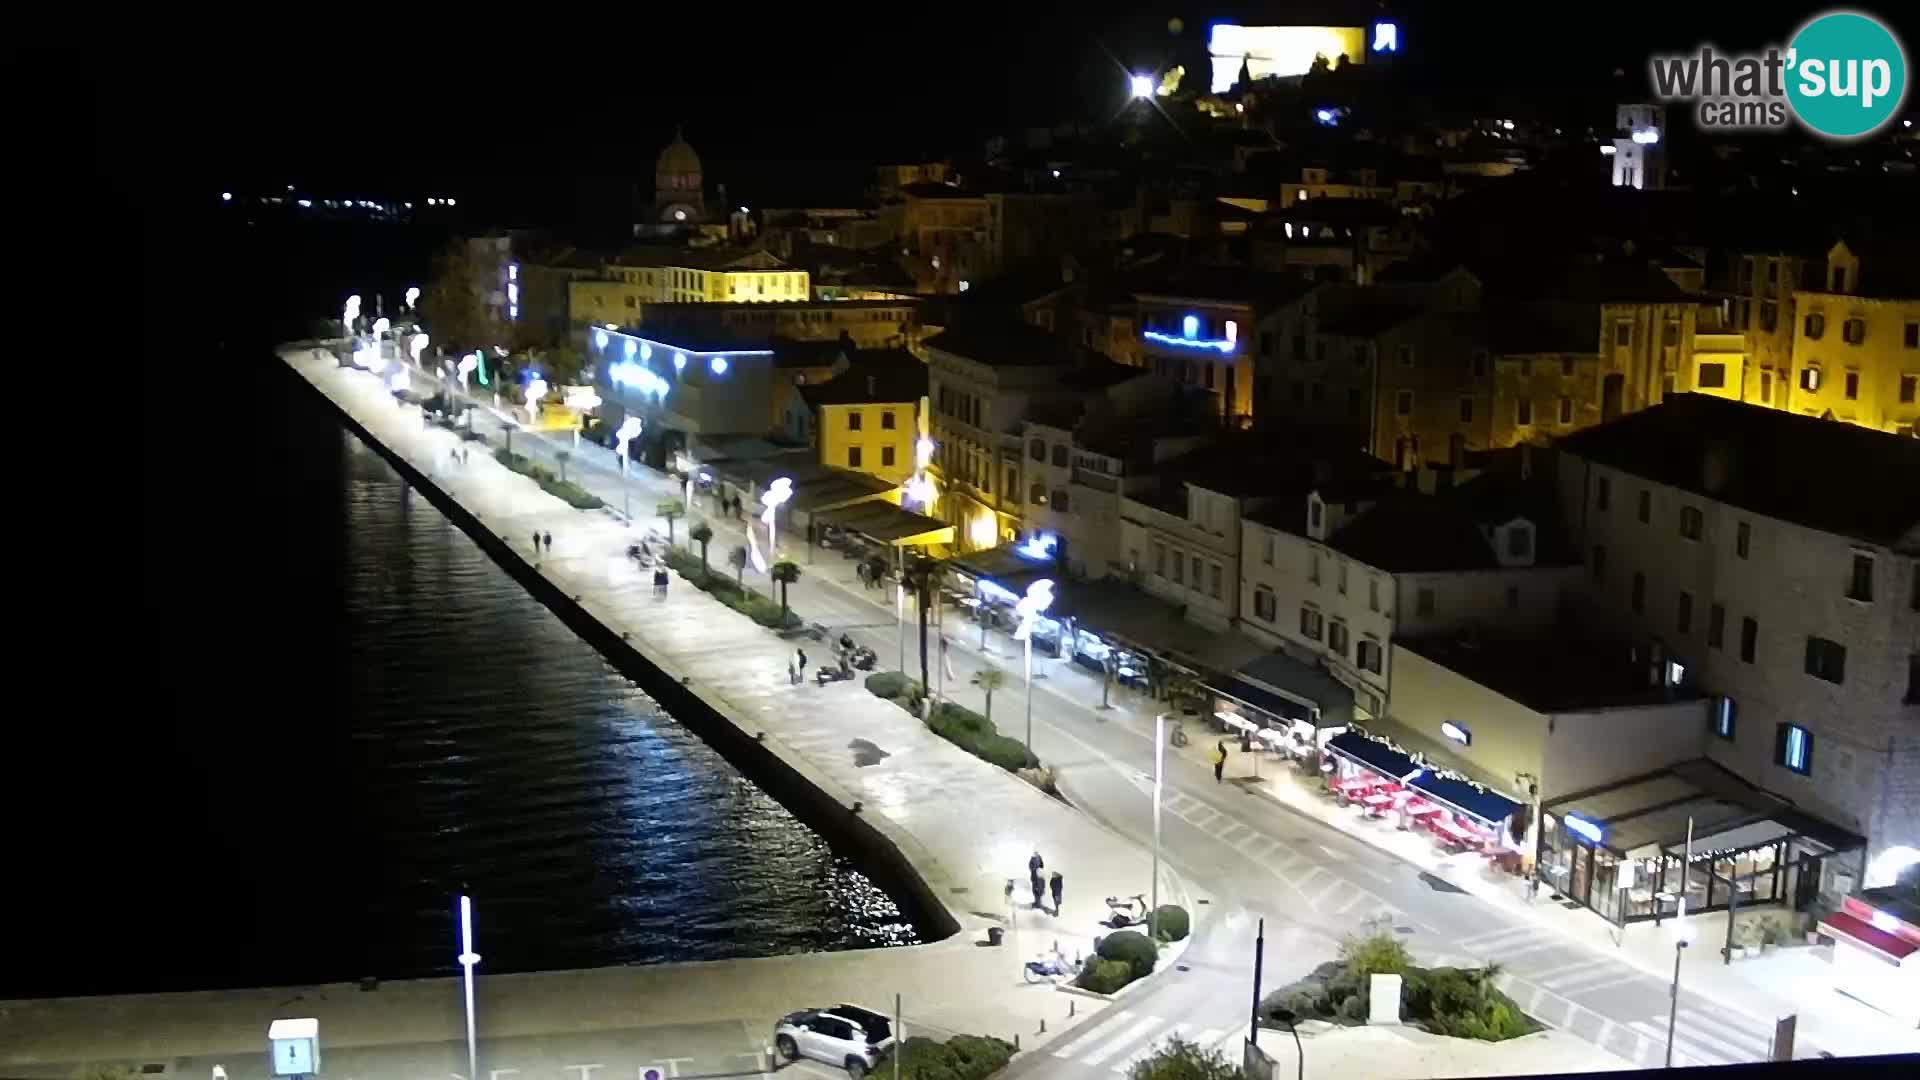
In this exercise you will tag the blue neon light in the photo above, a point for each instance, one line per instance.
(1386, 37)
(1040, 545)
(1190, 327)
(1584, 828)
(1224, 345)
(645, 380)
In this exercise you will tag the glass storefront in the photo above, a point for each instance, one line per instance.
(1648, 884)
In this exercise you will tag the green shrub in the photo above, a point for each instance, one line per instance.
(1379, 954)
(1105, 976)
(1301, 1003)
(1178, 1059)
(1170, 921)
(567, 491)
(979, 1055)
(1354, 1009)
(1133, 947)
(887, 684)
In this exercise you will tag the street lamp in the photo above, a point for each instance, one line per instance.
(413, 296)
(351, 314)
(468, 958)
(1141, 86)
(776, 494)
(418, 345)
(1673, 1007)
(1159, 758)
(536, 390)
(1286, 1017)
(629, 431)
(400, 380)
(1038, 599)
(466, 366)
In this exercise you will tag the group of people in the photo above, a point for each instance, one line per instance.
(1055, 883)
(538, 538)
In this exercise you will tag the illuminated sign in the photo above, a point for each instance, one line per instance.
(1457, 733)
(645, 380)
(1040, 545)
(1189, 337)
(1583, 828)
(1282, 51)
(1386, 37)
(1646, 136)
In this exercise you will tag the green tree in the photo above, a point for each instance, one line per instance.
(785, 574)
(990, 679)
(738, 557)
(453, 304)
(702, 534)
(563, 456)
(1178, 1059)
(560, 365)
(670, 509)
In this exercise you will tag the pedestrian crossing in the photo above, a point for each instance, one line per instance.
(1565, 984)
(1313, 884)
(1126, 1037)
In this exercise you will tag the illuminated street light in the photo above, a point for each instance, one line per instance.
(466, 366)
(536, 390)
(1141, 86)
(413, 291)
(401, 380)
(1038, 599)
(226, 196)
(351, 314)
(599, 339)
(629, 430)
(468, 959)
(418, 345)
(777, 493)
(381, 326)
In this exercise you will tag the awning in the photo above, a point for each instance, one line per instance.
(884, 523)
(1377, 756)
(1295, 680)
(1279, 705)
(1889, 947)
(1464, 797)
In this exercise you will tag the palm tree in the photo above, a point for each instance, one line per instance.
(562, 456)
(702, 534)
(670, 509)
(738, 557)
(785, 573)
(990, 679)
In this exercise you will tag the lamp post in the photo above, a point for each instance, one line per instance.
(412, 296)
(465, 367)
(776, 494)
(1286, 1017)
(1673, 1007)
(418, 345)
(468, 958)
(629, 430)
(536, 389)
(1159, 758)
(1038, 599)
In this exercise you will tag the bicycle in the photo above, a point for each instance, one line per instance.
(1125, 912)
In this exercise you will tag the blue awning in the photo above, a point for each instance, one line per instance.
(1260, 699)
(1377, 756)
(1464, 797)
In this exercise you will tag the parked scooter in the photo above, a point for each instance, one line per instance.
(863, 658)
(833, 674)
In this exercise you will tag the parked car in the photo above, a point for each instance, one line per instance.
(844, 1035)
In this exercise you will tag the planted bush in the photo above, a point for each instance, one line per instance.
(1105, 976)
(1170, 922)
(891, 685)
(963, 1057)
(1133, 947)
(571, 493)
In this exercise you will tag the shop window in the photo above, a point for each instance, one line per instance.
(1264, 605)
(1310, 623)
(1337, 638)
(1723, 716)
(1860, 581)
(1793, 748)
(1826, 659)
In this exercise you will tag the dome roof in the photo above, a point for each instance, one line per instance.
(678, 157)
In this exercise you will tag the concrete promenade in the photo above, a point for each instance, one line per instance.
(965, 827)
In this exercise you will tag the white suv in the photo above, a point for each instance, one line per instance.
(844, 1035)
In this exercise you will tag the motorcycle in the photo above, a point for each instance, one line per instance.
(1126, 911)
(1051, 967)
(863, 658)
(832, 675)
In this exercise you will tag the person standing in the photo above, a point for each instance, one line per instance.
(1039, 892)
(1059, 886)
(536, 541)
(549, 540)
(801, 654)
(1219, 760)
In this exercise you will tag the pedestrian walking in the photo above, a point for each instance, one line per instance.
(1219, 760)
(1058, 885)
(659, 582)
(792, 678)
(536, 541)
(549, 539)
(802, 654)
(1039, 893)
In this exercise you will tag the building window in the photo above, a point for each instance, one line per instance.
(853, 457)
(1060, 502)
(1423, 601)
(1402, 403)
(1911, 335)
(1683, 621)
(1860, 583)
(1692, 522)
(1263, 604)
(1519, 542)
(1479, 362)
(1854, 331)
(1566, 367)
(1267, 548)
(1373, 594)
(1313, 567)
(1749, 638)
(1810, 379)
(1406, 355)
(1913, 679)
(1523, 411)
(1793, 748)
(1179, 568)
(1766, 387)
(1724, 714)
(1337, 638)
(1060, 455)
(1816, 325)
(886, 420)
(1159, 559)
(1717, 626)
(1646, 506)
(1623, 334)
(1037, 494)
(853, 419)
(1639, 600)
(1712, 376)
(1367, 653)
(1599, 563)
(1743, 539)
(1908, 385)
(886, 457)
(1013, 481)
(1213, 580)
(1769, 315)
(1566, 410)
(1826, 659)
(1466, 410)
(1310, 623)
(1340, 577)
(1198, 566)
(1853, 386)
(1602, 492)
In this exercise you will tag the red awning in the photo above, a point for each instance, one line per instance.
(1891, 948)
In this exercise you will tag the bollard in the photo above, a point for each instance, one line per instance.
(1016, 1042)
(1070, 1004)
(1043, 1026)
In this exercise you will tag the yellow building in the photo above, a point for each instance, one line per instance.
(1856, 348)
(685, 276)
(870, 414)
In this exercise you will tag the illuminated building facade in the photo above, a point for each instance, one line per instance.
(679, 192)
(870, 414)
(667, 275)
(1773, 560)
(1198, 331)
(684, 385)
(1640, 147)
(1856, 347)
(1284, 51)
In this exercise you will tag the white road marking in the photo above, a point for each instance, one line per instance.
(1127, 1063)
(1123, 1040)
(1103, 1028)
(1229, 831)
(1246, 845)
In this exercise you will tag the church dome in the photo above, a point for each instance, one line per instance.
(678, 157)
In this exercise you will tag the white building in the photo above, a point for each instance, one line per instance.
(1640, 147)
(1774, 560)
(1337, 573)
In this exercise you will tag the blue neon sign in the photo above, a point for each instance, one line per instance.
(1224, 345)
(1583, 828)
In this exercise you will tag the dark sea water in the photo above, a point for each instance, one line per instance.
(365, 715)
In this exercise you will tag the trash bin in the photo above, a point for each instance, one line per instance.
(994, 934)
